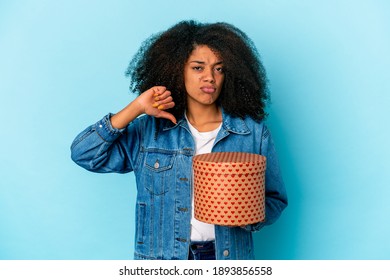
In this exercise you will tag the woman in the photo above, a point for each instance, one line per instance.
(202, 88)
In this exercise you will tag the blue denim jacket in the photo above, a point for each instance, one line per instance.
(160, 154)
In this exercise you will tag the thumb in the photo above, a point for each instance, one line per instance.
(166, 115)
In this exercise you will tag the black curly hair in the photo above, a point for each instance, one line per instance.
(161, 59)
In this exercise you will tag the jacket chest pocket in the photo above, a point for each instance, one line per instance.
(159, 172)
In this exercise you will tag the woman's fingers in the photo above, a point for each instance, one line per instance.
(163, 102)
(166, 106)
(160, 99)
(161, 93)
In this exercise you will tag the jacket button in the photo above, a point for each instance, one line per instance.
(156, 165)
(226, 253)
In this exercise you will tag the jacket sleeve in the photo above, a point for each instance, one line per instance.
(275, 192)
(101, 148)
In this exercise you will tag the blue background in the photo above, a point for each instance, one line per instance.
(62, 68)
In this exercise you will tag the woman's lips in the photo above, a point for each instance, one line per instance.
(208, 89)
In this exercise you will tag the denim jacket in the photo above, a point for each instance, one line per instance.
(160, 154)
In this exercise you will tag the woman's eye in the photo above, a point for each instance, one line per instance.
(197, 68)
(219, 69)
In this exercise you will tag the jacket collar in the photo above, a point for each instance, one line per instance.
(231, 124)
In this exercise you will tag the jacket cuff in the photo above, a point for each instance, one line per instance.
(106, 131)
(254, 227)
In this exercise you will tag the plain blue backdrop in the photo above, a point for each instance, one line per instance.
(62, 68)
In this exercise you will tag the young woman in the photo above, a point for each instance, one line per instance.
(202, 88)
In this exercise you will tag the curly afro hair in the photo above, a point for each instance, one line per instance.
(161, 59)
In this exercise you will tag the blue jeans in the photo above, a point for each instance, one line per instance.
(202, 250)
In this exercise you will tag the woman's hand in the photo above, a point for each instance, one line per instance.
(155, 101)
(152, 102)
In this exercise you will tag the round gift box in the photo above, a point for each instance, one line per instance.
(229, 188)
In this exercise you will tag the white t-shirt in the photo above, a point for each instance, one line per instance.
(204, 142)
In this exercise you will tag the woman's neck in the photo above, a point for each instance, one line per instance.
(204, 118)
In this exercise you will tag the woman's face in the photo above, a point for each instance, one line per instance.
(203, 76)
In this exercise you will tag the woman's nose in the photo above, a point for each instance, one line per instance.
(208, 75)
